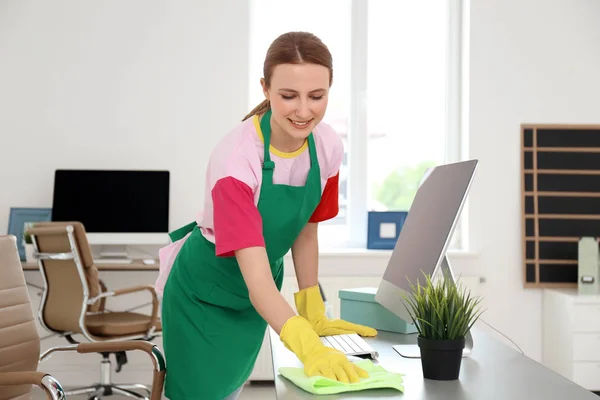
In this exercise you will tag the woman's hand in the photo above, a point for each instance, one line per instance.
(298, 336)
(310, 305)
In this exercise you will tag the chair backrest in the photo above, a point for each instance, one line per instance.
(70, 282)
(19, 337)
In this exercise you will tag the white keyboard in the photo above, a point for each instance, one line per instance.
(350, 344)
(113, 261)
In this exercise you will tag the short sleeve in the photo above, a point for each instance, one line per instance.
(237, 222)
(329, 206)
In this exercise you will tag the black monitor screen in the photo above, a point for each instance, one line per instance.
(113, 201)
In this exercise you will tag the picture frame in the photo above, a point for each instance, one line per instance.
(20, 217)
(384, 229)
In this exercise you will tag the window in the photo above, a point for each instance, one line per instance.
(393, 99)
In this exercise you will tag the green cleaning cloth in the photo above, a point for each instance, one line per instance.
(378, 378)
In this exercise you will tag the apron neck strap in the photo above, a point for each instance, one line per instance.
(312, 149)
(265, 127)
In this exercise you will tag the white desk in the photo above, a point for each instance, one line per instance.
(494, 371)
(136, 265)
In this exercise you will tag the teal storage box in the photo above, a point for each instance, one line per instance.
(359, 306)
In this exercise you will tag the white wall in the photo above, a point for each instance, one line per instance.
(114, 84)
(117, 84)
(531, 61)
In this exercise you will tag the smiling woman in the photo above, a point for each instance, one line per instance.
(269, 182)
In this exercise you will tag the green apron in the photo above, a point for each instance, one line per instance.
(211, 332)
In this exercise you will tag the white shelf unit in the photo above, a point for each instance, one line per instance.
(571, 336)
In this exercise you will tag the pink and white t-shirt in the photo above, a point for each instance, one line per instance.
(230, 218)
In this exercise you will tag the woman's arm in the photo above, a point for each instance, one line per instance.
(264, 295)
(309, 302)
(305, 253)
(297, 334)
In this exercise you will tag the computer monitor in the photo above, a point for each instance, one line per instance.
(425, 235)
(117, 207)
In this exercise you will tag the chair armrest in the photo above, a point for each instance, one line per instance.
(103, 289)
(44, 381)
(155, 303)
(157, 357)
(126, 345)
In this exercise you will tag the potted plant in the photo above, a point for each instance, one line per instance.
(28, 245)
(443, 313)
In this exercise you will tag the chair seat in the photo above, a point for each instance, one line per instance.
(119, 324)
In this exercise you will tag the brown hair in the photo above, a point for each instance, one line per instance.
(293, 48)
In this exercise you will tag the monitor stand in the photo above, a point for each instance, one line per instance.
(412, 350)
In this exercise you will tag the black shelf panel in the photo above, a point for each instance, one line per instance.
(529, 249)
(568, 160)
(528, 160)
(558, 273)
(568, 227)
(566, 183)
(568, 138)
(530, 273)
(529, 209)
(558, 250)
(529, 182)
(568, 205)
(529, 227)
(528, 137)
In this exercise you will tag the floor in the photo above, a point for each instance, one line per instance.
(253, 391)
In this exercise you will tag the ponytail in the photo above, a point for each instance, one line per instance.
(259, 109)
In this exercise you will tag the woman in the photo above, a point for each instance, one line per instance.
(269, 183)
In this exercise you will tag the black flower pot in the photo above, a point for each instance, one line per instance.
(441, 359)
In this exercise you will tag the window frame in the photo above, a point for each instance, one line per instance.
(357, 140)
(352, 232)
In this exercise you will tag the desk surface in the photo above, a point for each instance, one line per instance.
(136, 265)
(494, 371)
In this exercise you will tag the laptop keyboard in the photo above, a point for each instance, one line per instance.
(350, 344)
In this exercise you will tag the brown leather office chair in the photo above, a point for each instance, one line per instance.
(20, 341)
(73, 301)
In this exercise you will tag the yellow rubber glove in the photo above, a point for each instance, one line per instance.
(309, 304)
(299, 337)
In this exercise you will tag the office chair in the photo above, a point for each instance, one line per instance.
(73, 302)
(20, 341)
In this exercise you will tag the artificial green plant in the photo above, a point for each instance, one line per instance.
(442, 310)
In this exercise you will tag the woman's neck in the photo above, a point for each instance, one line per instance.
(282, 141)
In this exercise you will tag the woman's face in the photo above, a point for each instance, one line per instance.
(298, 96)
